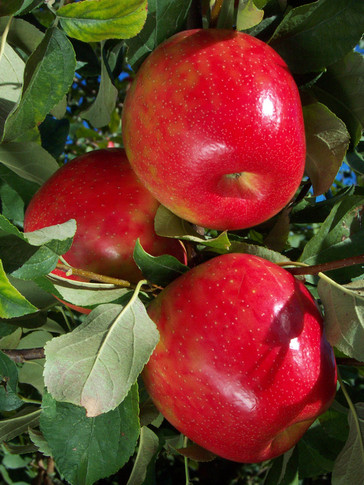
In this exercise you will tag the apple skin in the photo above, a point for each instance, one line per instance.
(213, 126)
(112, 209)
(243, 367)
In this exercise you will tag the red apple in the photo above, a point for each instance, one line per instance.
(112, 209)
(213, 126)
(243, 367)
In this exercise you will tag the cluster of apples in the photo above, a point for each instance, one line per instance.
(213, 129)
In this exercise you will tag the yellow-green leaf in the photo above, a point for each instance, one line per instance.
(12, 303)
(248, 15)
(96, 20)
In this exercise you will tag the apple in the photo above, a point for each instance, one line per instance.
(243, 367)
(213, 126)
(112, 209)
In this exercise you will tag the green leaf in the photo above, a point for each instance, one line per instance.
(340, 225)
(24, 188)
(355, 160)
(9, 399)
(87, 449)
(33, 254)
(54, 133)
(38, 439)
(35, 340)
(33, 293)
(9, 7)
(317, 452)
(95, 365)
(99, 113)
(344, 316)
(284, 469)
(277, 237)
(349, 465)
(58, 238)
(159, 270)
(18, 424)
(28, 160)
(313, 36)
(341, 88)
(168, 224)
(12, 303)
(28, 6)
(96, 20)
(12, 204)
(48, 75)
(86, 294)
(261, 251)
(31, 373)
(11, 341)
(23, 261)
(327, 141)
(165, 18)
(148, 447)
(248, 15)
(6, 328)
(11, 80)
(22, 34)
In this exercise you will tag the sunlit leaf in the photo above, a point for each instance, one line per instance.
(48, 75)
(11, 81)
(248, 15)
(12, 303)
(96, 20)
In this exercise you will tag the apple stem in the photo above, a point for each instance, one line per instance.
(354, 412)
(304, 269)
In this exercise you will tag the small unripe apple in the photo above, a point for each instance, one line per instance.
(213, 126)
(112, 209)
(243, 367)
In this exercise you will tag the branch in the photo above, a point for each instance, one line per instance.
(349, 361)
(22, 355)
(320, 268)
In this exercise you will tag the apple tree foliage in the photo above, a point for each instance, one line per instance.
(64, 70)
